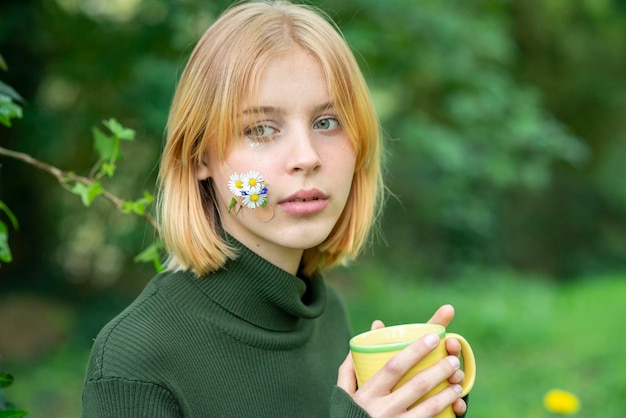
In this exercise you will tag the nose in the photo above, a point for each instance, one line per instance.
(303, 156)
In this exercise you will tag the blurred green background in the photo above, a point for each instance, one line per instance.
(505, 128)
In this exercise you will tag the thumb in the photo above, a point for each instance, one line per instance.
(443, 316)
(377, 324)
(346, 378)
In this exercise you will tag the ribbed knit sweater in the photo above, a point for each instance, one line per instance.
(250, 340)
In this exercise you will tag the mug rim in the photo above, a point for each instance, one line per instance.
(394, 346)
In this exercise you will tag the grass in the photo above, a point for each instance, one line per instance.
(529, 335)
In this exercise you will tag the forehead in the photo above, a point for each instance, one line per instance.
(291, 79)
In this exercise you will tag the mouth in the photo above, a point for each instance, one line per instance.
(305, 196)
(298, 199)
(304, 202)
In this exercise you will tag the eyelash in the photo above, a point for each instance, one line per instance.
(266, 137)
(328, 118)
(260, 138)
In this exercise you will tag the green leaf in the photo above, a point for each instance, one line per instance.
(119, 130)
(6, 379)
(103, 144)
(137, 206)
(8, 110)
(147, 196)
(232, 204)
(10, 91)
(87, 192)
(130, 206)
(3, 63)
(5, 250)
(108, 148)
(13, 413)
(107, 169)
(152, 254)
(4, 208)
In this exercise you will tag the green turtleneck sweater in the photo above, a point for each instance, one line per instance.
(250, 340)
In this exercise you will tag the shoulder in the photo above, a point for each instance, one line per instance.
(131, 344)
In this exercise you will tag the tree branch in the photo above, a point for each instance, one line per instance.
(64, 176)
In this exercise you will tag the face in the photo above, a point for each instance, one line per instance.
(303, 154)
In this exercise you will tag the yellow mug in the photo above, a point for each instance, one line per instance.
(371, 350)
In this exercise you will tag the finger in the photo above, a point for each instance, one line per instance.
(435, 404)
(453, 346)
(391, 373)
(443, 316)
(425, 381)
(457, 378)
(459, 407)
(346, 377)
(377, 324)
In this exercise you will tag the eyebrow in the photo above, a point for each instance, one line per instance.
(271, 110)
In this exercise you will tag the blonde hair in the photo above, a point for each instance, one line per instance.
(224, 67)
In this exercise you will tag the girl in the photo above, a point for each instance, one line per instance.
(270, 175)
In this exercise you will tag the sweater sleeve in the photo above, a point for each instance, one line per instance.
(342, 406)
(118, 398)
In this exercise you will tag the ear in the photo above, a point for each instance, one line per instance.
(202, 171)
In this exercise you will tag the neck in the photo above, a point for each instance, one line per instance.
(288, 259)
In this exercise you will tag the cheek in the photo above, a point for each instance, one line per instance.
(341, 160)
(243, 157)
(244, 162)
(349, 167)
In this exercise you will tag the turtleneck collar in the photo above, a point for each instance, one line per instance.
(251, 292)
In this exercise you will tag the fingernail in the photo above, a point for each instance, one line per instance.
(432, 340)
(454, 362)
(458, 389)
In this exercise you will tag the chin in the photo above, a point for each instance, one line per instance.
(305, 240)
(306, 244)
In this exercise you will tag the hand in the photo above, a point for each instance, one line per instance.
(376, 397)
(444, 316)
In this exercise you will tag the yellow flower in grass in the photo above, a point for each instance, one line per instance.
(561, 402)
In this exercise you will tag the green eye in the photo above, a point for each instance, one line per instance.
(326, 124)
(259, 132)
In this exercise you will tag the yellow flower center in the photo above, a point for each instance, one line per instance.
(254, 197)
(252, 182)
(561, 402)
(239, 184)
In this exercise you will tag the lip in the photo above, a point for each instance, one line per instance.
(304, 202)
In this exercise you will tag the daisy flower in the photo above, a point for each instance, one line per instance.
(256, 196)
(252, 180)
(251, 187)
(236, 184)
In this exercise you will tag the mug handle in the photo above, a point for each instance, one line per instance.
(469, 363)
